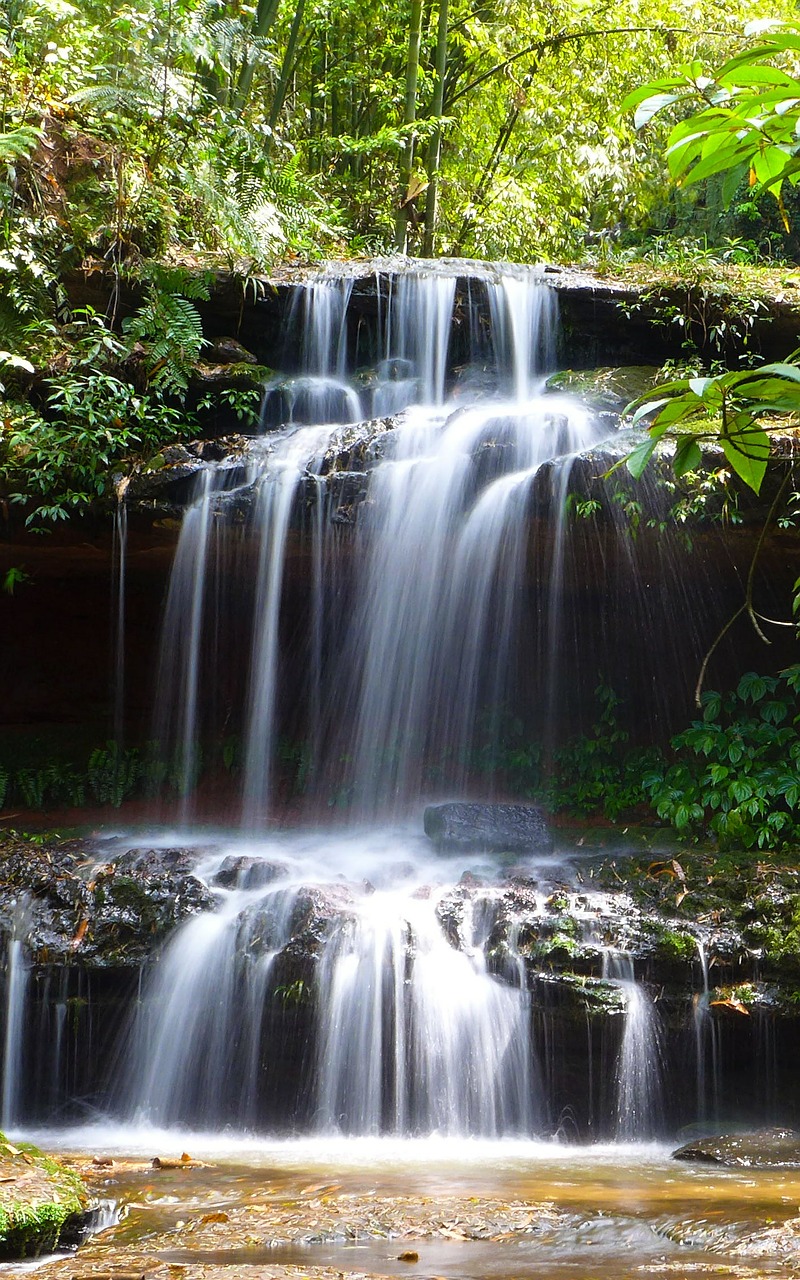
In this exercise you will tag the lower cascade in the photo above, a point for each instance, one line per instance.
(364, 982)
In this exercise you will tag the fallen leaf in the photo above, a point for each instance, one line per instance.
(80, 933)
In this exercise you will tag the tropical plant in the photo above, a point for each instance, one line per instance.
(59, 464)
(746, 116)
(736, 772)
(727, 408)
(113, 773)
(597, 772)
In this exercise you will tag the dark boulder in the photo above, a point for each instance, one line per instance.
(488, 828)
(228, 351)
(765, 1148)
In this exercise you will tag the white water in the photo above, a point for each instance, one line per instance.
(639, 1066)
(413, 1033)
(407, 653)
(414, 994)
(16, 983)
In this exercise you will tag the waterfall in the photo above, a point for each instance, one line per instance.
(119, 587)
(706, 1048)
(638, 1068)
(276, 491)
(17, 978)
(413, 1034)
(404, 656)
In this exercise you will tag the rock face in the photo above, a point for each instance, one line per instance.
(766, 1148)
(72, 907)
(490, 828)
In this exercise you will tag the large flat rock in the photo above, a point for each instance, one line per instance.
(488, 828)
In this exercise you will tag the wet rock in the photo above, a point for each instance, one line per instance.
(317, 908)
(72, 910)
(607, 389)
(764, 1148)
(157, 862)
(450, 914)
(487, 828)
(243, 872)
(171, 475)
(225, 375)
(228, 351)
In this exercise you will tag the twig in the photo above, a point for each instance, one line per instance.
(747, 604)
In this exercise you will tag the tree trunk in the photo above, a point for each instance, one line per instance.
(287, 66)
(435, 149)
(409, 117)
(266, 13)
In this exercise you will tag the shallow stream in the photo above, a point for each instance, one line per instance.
(464, 1210)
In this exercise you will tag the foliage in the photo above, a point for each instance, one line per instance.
(746, 118)
(729, 406)
(169, 323)
(113, 773)
(597, 772)
(737, 771)
(505, 752)
(60, 463)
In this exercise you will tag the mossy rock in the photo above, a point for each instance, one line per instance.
(607, 389)
(41, 1202)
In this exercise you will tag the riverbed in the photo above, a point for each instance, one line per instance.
(238, 1206)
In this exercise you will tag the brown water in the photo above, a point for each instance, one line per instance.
(462, 1211)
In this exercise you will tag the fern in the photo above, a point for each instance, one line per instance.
(113, 773)
(170, 327)
(20, 144)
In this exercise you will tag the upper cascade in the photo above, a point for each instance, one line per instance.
(406, 639)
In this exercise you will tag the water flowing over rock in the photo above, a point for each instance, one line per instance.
(432, 478)
(380, 586)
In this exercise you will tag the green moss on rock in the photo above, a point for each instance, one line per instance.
(39, 1200)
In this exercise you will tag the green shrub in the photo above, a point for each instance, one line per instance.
(597, 772)
(737, 771)
(113, 773)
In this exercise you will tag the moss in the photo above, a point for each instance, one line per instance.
(677, 946)
(34, 1223)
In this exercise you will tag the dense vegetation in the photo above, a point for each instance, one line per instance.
(295, 126)
(154, 142)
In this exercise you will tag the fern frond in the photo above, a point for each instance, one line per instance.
(19, 144)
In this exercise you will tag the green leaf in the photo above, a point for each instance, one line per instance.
(637, 461)
(651, 106)
(747, 452)
(687, 456)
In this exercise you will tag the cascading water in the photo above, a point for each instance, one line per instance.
(405, 656)
(413, 1034)
(17, 977)
(638, 1067)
